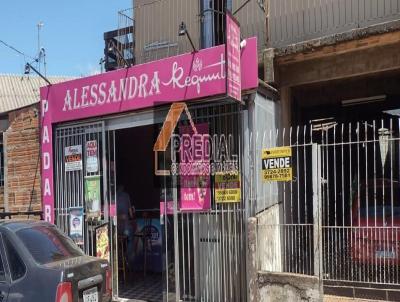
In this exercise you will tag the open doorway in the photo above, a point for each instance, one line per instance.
(138, 215)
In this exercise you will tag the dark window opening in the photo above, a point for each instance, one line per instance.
(47, 244)
(17, 266)
(213, 22)
(2, 271)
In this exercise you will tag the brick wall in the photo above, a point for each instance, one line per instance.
(1, 197)
(23, 168)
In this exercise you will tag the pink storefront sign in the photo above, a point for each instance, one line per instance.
(234, 89)
(190, 76)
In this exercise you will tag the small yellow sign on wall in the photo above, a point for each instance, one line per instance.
(277, 164)
(227, 187)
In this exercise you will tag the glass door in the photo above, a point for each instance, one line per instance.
(112, 191)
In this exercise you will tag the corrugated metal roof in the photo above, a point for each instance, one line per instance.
(18, 91)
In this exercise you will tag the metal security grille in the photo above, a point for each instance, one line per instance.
(69, 185)
(286, 220)
(339, 217)
(210, 246)
(361, 207)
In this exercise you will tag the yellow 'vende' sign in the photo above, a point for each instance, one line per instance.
(277, 164)
(227, 187)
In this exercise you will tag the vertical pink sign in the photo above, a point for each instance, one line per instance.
(195, 183)
(46, 136)
(234, 85)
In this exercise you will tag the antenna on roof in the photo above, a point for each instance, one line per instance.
(41, 54)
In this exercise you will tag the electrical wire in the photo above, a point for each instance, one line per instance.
(38, 158)
(17, 51)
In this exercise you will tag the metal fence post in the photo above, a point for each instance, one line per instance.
(252, 260)
(317, 210)
(176, 235)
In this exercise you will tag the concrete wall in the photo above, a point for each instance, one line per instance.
(269, 243)
(267, 286)
(264, 112)
(282, 287)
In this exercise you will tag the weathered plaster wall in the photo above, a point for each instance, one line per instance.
(284, 287)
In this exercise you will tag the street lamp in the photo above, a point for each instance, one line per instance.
(112, 48)
(184, 32)
(28, 68)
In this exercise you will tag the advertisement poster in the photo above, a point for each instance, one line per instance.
(227, 187)
(92, 196)
(195, 184)
(92, 162)
(102, 242)
(153, 246)
(234, 85)
(277, 164)
(76, 224)
(166, 199)
(73, 158)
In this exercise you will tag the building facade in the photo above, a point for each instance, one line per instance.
(335, 64)
(327, 99)
(139, 40)
(114, 139)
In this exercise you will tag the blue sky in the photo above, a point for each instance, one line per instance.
(72, 34)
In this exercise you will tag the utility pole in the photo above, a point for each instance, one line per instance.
(39, 27)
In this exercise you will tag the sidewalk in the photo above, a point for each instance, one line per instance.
(345, 299)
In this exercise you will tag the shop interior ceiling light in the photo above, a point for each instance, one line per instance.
(358, 101)
(323, 124)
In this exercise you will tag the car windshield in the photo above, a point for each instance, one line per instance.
(378, 202)
(47, 244)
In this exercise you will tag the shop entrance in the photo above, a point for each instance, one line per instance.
(189, 255)
(105, 176)
(139, 235)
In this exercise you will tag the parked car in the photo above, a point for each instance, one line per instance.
(40, 263)
(376, 223)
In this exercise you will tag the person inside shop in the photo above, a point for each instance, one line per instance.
(126, 219)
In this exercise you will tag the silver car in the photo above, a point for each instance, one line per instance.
(39, 263)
